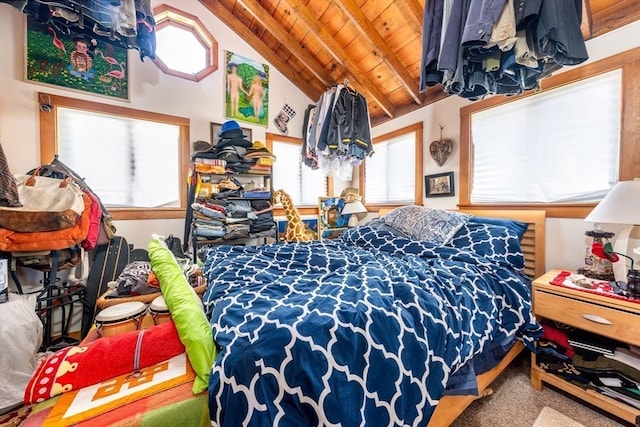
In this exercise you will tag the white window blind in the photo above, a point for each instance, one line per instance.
(302, 183)
(127, 162)
(390, 172)
(560, 146)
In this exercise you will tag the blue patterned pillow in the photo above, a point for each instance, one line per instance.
(379, 224)
(517, 227)
(494, 242)
(425, 224)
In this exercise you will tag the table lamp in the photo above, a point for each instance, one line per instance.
(353, 206)
(354, 209)
(620, 206)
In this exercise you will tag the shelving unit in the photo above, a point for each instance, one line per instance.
(206, 188)
(602, 315)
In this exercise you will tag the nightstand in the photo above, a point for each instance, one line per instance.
(607, 316)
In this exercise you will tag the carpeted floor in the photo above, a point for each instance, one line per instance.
(515, 403)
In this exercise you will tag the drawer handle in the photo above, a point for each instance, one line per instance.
(597, 319)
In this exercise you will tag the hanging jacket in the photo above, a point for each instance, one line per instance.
(350, 125)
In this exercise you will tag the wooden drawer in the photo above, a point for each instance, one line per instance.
(592, 317)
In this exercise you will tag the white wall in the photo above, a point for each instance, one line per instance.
(566, 241)
(150, 90)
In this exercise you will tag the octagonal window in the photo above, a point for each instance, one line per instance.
(184, 47)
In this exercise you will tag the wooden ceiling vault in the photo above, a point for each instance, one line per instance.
(375, 45)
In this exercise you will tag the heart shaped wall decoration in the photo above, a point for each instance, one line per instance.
(441, 149)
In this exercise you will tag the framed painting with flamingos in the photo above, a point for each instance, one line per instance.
(75, 61)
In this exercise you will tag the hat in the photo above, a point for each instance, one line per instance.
(228, 125)
(238, 142)
(232, 133)
(202, 146)
(258, 145)
(258, 149)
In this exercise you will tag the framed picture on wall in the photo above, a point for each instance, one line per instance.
(438, 185)
(246, 89)
(215, 129)
(75, 61)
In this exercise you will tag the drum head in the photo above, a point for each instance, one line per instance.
(121, 311)
(158, 305)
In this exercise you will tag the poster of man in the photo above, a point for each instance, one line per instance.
(247, 89)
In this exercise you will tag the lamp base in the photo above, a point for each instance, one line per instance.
(353, 221)
(633, 283)
(621, 245)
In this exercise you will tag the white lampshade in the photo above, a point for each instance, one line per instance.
(620, 206)
(354, 208)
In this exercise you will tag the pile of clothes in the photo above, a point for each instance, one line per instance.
(233, 153)
(474, 49)
(137, 278)
(591, 361)
(225, 208)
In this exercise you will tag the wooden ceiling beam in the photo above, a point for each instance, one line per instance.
(338, 53)
(586, 24)
(620, 13)
(215, 7)
(274, 27)
(367, 31)
(416, 7)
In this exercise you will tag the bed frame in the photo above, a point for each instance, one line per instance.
(533, 248)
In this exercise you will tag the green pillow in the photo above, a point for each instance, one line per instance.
(187, 312)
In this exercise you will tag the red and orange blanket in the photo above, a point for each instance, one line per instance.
(134, 378)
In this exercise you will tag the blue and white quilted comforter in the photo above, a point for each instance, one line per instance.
(366, 329)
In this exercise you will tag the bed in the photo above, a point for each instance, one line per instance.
(371, 326)
(260, 298)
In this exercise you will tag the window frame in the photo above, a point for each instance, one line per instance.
(306, 209)
(166, 15)
(418, 128)
(629, 167)
(49, 147)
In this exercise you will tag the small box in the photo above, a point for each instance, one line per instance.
(4, 280)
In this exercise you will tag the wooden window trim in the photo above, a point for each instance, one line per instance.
(419, 178)
(629, 62)
(49, 147)
(166, 15)
(303, 210)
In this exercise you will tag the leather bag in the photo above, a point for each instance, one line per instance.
(58, 169)
(12, 241)
(48, 204)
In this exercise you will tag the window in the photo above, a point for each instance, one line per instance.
(393, 175)
(513, 142)
(561, 149)
(302, 183)
(135, 161)
(184, 47)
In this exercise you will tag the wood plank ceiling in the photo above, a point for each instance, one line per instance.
(376, 45)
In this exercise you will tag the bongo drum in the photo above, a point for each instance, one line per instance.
(122, 317)
(159, 311)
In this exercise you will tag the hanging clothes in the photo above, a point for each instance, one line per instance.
(483, 47)
(125, 23)
(337, 132)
